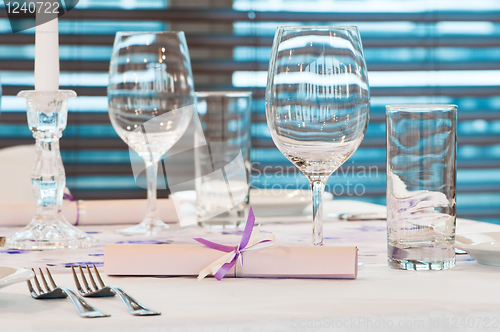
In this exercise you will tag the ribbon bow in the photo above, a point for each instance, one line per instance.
(252, 239)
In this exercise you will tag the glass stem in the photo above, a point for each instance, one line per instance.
(48, 178)
(151, 174)
(318, 188)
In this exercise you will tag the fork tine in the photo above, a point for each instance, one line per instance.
(84, 279)
(50, 278)
(77, 282)
(44, 281)
(92, 278)
(99, 277)
(30, 287)
(37, 284)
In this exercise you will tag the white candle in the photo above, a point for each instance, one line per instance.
(46, 52)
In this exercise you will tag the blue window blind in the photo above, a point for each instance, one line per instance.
(416, 52)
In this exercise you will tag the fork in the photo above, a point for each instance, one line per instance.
(134, 307)
(84, 309)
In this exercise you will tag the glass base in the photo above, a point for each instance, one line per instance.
(234, 218)
(221, 224)
(421, 258)
(50, 234)
(147, 227)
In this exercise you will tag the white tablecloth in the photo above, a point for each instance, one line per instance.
(381, 299)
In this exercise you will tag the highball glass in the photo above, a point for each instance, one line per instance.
(421, 182)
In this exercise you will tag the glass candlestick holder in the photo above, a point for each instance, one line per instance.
(47, 115)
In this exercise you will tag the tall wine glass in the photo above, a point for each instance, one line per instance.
(151, 98)
(317, 102)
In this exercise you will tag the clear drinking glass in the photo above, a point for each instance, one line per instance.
(317, 102)
(222, 164)
(151, 96)
(421, 181)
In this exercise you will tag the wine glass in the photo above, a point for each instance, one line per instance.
(317, 102)
(151, 99)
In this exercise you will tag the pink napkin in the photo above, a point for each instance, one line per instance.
(124, 211)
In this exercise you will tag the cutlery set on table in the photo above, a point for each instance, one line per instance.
(99, 289)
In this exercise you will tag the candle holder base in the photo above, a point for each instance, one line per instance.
(50, 234)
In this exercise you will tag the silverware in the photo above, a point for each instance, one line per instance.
(134, 307)
(84, 309)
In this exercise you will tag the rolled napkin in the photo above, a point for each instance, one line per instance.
(254, 256)
(124, 211)
(273, 262)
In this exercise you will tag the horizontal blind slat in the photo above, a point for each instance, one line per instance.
(231, 41)
(230, 66)
(452, 91)
(230, 15)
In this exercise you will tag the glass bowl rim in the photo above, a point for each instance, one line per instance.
(131, 33)
(312, 27)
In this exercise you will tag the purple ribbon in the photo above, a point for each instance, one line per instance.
(237, 249)
(70, 198)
